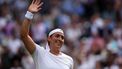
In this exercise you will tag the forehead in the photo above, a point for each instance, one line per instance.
(58, 33)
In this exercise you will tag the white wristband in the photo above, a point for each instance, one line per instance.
(29, 15)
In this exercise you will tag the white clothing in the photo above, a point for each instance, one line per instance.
(56, 30)
(112, 67)
(43, 59)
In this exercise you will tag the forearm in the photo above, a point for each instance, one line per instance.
(27, 40)
(25, 28)
(24, 33)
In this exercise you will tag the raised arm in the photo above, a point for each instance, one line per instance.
(24, 33)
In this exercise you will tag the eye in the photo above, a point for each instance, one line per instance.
(62, 37)
(57, 35)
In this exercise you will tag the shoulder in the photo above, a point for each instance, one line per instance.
(67, 57)
(39, 50)
(68, 60)
(39, 47)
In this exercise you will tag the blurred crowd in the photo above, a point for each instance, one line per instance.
(93, 32)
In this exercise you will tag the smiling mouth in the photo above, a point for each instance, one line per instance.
(58, 44)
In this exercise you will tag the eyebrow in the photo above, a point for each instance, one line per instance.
(59, 34)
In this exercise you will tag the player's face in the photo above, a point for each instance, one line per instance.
(57, 39)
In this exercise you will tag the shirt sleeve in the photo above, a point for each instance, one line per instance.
(72, 64)
(39, 51)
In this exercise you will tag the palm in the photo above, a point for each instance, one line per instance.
(35, 6)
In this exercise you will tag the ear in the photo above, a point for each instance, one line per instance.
(48, 39)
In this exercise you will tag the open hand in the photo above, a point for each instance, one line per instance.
(35, 6)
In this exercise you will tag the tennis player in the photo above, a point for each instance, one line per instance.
(49, 57)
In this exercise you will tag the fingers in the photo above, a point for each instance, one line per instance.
(33, 1)
(37, 2)
(40, 4)
(39, 9)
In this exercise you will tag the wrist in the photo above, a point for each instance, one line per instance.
(29, 15)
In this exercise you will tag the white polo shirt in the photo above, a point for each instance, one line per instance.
(43, 59)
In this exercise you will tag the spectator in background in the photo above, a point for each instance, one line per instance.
(80, 15)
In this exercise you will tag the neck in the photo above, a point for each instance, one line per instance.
(55, 52)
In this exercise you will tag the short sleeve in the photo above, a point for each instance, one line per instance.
(72, 64)
(39, 51)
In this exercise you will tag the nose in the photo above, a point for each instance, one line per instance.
(60, 39)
